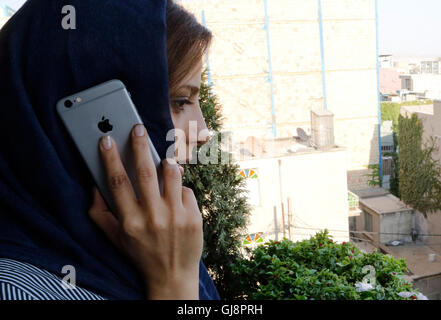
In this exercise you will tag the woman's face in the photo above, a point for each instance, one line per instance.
(190, 127)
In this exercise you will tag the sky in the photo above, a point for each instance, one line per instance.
(405, 27)
(14, 4)
(409, 27)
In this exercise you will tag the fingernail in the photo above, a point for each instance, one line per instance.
(106, 142)
(139, 130)
(171, 161)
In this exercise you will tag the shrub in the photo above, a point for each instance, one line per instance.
(319, 269)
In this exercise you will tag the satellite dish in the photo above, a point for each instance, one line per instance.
(302, 134)
(245, 152)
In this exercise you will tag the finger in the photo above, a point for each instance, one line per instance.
(101, 215)
(188, 198)
(145, 167)
(181, 169)
(190, 203)
(172, 182)
(119, 183)
(98, 201)
(107, 222)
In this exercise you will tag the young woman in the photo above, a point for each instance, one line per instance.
(163, 235)
(151, 247)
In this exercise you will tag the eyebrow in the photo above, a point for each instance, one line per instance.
(193, 90)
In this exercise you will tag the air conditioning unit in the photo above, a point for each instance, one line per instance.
(322, 129)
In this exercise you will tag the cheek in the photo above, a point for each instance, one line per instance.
(181, 132)
(180, 122)
(176, 119)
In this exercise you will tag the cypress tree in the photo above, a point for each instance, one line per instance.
(222, 200)
(419, 173)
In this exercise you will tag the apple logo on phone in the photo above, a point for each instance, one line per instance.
(104, 125)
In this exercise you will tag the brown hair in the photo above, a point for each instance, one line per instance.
(187, 41)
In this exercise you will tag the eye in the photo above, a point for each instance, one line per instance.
(178, 105)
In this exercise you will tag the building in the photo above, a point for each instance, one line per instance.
(287, 178)
(425, 259)
(430, 116)
(386, 61)
(387, 146)
(384, 217)
(406, 65)
(406, 82)
(387, 224)
(292, 74)
(272, 62)
(431, 67)
(390, 81)
(427, 84)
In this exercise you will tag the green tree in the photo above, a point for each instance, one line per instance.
(221, 198)
(391, 111)
(419, 173)
(375, 179)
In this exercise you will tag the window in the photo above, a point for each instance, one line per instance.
(367, 221)
(352, 224)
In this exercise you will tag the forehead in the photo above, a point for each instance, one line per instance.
(194, 76)
(192, 82)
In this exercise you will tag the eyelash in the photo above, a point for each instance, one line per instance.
(178, 107)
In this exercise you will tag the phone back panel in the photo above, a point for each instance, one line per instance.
(108, 101)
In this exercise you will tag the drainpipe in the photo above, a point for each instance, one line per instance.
(322, 53)
(380, 160)
(270, 77)
(210, 83)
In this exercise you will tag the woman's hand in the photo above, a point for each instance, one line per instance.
(161, 234)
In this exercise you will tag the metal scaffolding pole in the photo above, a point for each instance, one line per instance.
(270, 77)
(322, 53)
(210, 83)
(380, 160)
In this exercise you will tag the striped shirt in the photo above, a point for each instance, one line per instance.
(24, 281)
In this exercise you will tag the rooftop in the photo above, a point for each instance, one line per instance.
(427, 109)
(275, 148)
(417, 257)
(381, 201)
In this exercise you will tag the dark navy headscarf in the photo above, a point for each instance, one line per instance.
(45, 187)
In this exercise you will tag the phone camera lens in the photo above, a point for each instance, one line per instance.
(68, 103)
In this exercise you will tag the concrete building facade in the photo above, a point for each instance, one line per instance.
(431, 67)
(295, 195)
(427, 84)
(272, 62)
(390, 81)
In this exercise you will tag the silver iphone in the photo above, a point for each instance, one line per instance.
(105, 109)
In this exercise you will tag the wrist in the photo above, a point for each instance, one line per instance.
(187, 289)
